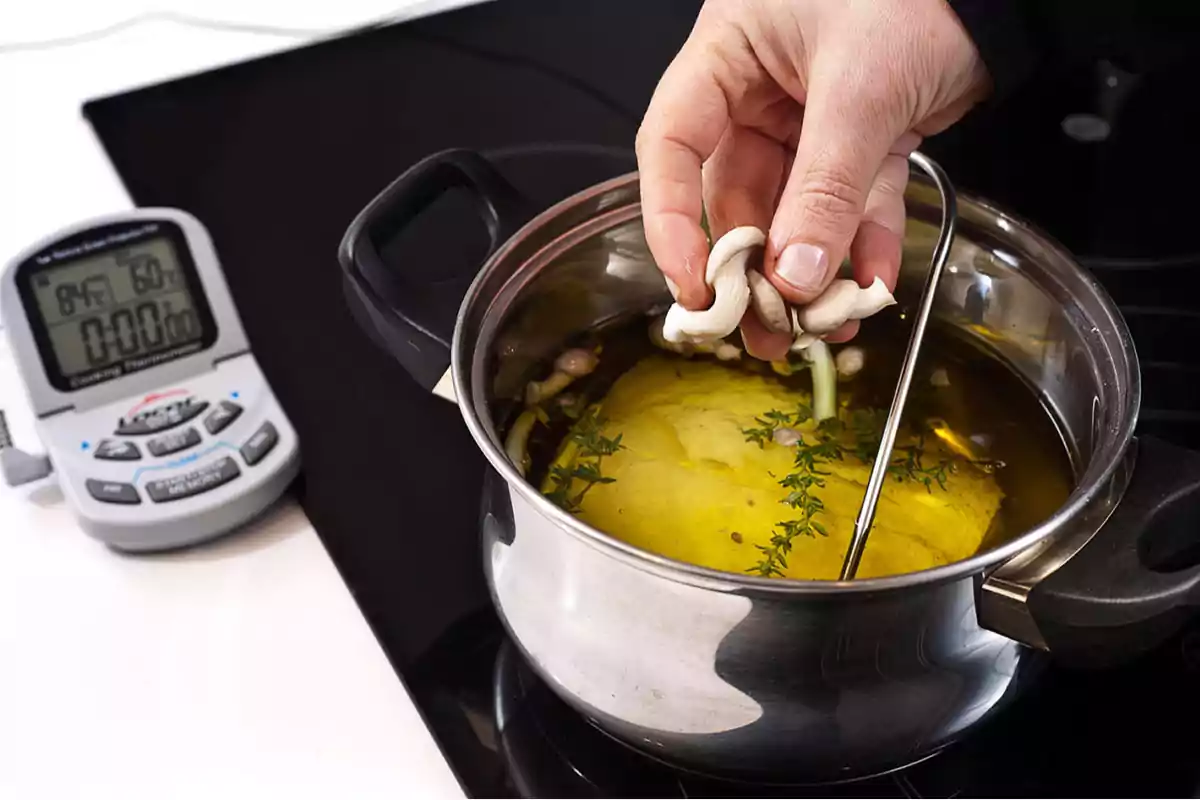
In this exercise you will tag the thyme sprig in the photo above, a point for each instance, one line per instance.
(907, 465)
(772, 421)
(907, 460)
(813, 453)
(593, 448)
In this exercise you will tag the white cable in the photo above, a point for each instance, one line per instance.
(412, 11)
(185, 20)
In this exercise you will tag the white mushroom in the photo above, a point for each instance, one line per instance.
(768, 304)
(849, 361)
(726, 274)
(660, 341)
(537, 391)
(736, 288)
(576, 362)
(516, 443)
(806, 326)
(571, 364)
(842, 301)
(722, 349)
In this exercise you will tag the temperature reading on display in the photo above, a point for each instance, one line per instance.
(129, 306)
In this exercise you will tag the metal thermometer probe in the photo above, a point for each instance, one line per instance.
(941, 253)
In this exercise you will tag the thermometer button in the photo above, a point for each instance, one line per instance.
(173, 442)
(210, 476)
(113, 492)
(117, 450)
(220, 419)
(258, 445)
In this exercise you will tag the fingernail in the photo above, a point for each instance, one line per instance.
(672, 287)
(802, 266)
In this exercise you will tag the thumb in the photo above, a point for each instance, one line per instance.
(843, 142)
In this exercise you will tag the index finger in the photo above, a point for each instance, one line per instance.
(686, 118)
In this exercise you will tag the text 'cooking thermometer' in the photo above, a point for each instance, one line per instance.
(152, 409)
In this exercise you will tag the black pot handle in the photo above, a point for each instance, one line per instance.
(415, 319)
(1137, 580)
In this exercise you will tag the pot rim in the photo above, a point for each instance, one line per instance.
(691, 574)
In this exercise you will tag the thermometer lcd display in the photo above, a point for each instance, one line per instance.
(125, 304)
(116, 310)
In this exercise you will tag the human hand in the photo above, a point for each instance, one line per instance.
(867, 78)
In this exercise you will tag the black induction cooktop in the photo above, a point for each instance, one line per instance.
(278, 154)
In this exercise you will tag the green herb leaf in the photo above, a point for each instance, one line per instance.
(806, 475)
(593, 447)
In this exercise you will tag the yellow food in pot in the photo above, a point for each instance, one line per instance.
(685, 482)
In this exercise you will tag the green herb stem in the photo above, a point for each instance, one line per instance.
(814, 452)
(593, 448)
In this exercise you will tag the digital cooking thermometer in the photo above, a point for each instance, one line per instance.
(151, 407)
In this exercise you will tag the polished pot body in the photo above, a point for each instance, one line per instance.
(723, 673)
(782, 679)
(743, 683)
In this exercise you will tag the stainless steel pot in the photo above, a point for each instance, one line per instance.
(782, 679)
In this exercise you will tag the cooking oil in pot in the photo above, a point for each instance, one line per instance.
(722, 464)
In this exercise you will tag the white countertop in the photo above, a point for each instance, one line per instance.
(239, 669)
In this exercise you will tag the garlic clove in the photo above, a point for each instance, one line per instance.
(788, 437)
(728, 352)
(849, 361)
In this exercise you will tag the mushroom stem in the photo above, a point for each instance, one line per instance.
(723, 350)
(571, 364)
(537, 391)
(725, 272)
(824, 377)
(768, 304)
(737, 286)
(842, 301)
(516, 443)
